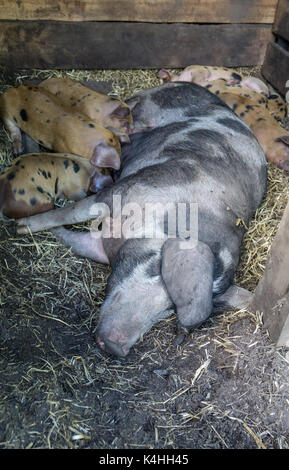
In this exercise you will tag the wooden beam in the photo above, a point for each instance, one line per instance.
(163, 11)
(276, 67)
(92, 45)
(281, 25)
(272, 293)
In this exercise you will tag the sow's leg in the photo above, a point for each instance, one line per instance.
(73, 213)
(82, 244)
(188, 275)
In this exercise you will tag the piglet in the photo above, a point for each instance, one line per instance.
(273, 103)
(41, 115)
(33, 182)
(272, 137)
(202, 74)
(99, 107)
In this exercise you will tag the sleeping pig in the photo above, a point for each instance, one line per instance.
(41, 115)
(99, 107)
(210, 76)
(202, 74)
(33, 182)
(197, 154)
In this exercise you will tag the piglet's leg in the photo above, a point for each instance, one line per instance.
(188, 276)
(82, 244)
(15, 134)
(80, 211)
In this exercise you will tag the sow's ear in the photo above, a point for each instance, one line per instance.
(105, 156)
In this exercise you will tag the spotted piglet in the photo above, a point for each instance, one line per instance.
(33, 182)
(42, 116)
(99, 107)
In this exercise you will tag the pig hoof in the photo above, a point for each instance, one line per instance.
(181, 335)
(283, 164)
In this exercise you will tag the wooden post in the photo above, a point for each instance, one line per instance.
(276, 64)
(272, 293)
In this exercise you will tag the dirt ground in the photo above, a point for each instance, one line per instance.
(223, 386)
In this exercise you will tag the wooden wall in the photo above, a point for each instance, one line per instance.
(134, 33)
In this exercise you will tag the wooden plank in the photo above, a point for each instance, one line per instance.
(164, 11)
(281, 25)
(95, 45)
(276, 67)
(272, 293)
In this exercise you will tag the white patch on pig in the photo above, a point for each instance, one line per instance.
(227, 260)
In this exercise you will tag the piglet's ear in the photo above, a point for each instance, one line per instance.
(284, 139)
(120, 112)
(123, 136)
(165, 75)
(105, 156)
(132, 102)
(99, 181)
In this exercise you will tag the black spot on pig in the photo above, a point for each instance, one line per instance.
(10, 176)
(17, 163)
(91, 125)
(48, 121)
(40, 189)
(33, 201)
(124, 265)
(49, 174)
(154, 268)
(44, 173)
(21, 191)
(23, 115)
(66, 163)
(15, 119)
(235, 125)
(76, 167)
(32, 179)
(236, 76)
(56, 186)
